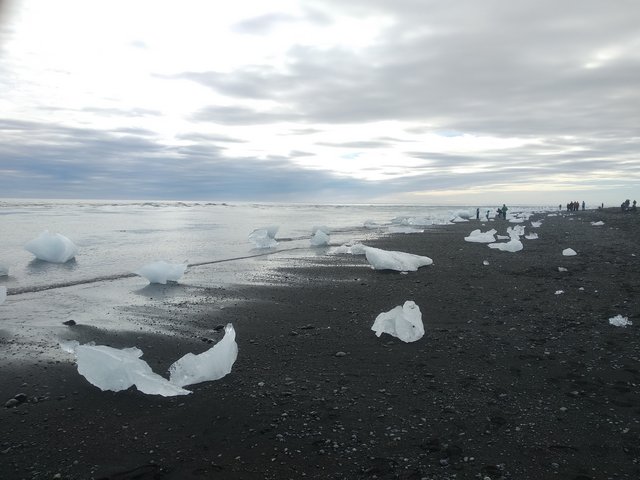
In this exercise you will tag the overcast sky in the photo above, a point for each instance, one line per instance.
(394, 101)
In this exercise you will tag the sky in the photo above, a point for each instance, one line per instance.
(322, 101)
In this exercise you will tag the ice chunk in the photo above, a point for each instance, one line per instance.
(162, 272)
(562, 269)
(115, 369)
(514, 245)
(357, 249)
(52, 247)
(390, 260)
(412, 221)
(478, 236)
(403, 322)
(559, 292)
(597, 224)
(516, 220)
(569, 252)
(535, 224)
(4, 270)
(213, 364)
(531, 236)
(485, 262)
(320, 238)
(515, 232)
(503, 237)
(3, 294)
(463, 214)
(620, 321)
(264, 237)
(316, 228)
(459, 220)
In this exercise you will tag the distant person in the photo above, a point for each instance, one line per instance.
(633, 207)
(583, 205)
(560, 207)
(504, 211)
(498, 213)
(477, 214)
(488, 215)
(625, 205)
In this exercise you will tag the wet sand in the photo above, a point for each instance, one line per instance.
(511, 380)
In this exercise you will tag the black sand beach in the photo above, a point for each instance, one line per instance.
(511, 380)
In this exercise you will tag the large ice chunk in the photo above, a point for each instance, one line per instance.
(162, 272)
(264, 237)
(4, 270)
(515, 232)
(3, 294)
(478, 236)
(213, 364)
(115, 369)
(52, 247)
(403, 322)
(514, 245)
(390, 260)
(620, 321)
(320, 238)
(569, 252)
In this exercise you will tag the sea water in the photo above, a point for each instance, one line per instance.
(117, 238)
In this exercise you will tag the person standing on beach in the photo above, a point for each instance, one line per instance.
(583, 205)
(504, 211)
(477, 213)
(488, 215)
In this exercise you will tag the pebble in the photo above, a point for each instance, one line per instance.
(70, 323)
(11, 403)
(340, 354)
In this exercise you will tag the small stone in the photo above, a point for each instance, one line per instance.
(219, 327)
(444, 462)
(12, 403)
(21, 397)
(340, 354)
(69, 323)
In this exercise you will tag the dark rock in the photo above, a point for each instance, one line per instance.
(12, 403)
(21, 397)
(69, 323)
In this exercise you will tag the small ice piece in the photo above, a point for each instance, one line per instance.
(517, 220)
(319, 239)
(403, 322)
(531, 236)
(52, 247)
(3, 294)
(569, 252)
(514, 245)
(391, 260)
(264, 237)
(4, 270)
(562, 269)
(463, 214)
(503, 237)
(559, 292)
(515, 232)
(213, 364)
(485, 262)
(162, 272)
(620, 321)
(535, 224)
(115, 369)
(477, 236)
(597, 224)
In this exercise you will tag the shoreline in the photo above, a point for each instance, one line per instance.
(511, 380)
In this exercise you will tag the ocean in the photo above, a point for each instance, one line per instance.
(116, 238)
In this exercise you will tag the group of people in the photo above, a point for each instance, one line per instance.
(573, 206)
(627, 206)
(501, 212)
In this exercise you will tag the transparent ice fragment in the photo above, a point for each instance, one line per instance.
(264, 237)
(477, 236)
(403, 322)
(319, 239)
(52, 247)
(162, 272)
(569, 252)
(391, 260)
(620, 321)
(213, 364)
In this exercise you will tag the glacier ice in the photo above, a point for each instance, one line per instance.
(320, 238)
(403, 322)
(459, 220)
(531, 236)
(536, 224)
(391, 260)
(620, 321)
(322, 228)
(514, 245)
(403, 229)
(463, 214)
(477, 236)
(412, 221)
(116, 369)
(515, 232)
(52, 247)
(3, 294)
(4, 270)
(162, 272)
(264, 237)
(356, 249)
(597, 224)
(213, 364)
(569, 252)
